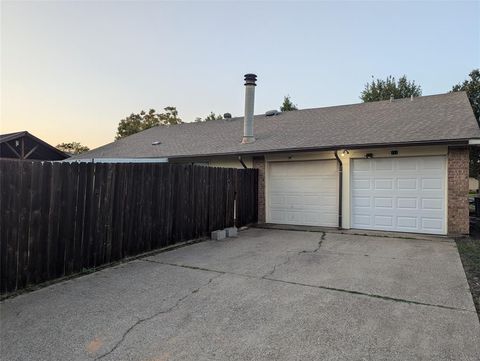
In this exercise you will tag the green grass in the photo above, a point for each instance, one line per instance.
(469, 250)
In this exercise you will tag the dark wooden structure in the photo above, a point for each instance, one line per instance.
(60, 218)
(23, 145)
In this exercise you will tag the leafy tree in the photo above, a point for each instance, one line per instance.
(135, 123)
(287, 104)
(72, 148)
(380, 89)
(472, 87)
(211, 116)
(170, 117)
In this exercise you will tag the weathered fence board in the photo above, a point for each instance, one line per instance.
(58, 219)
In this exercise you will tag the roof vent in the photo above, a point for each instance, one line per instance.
(227, 116)
(157, 142)
(271, 113)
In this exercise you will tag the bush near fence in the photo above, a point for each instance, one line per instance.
(59, 219)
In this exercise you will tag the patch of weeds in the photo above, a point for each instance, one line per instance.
(469, 250)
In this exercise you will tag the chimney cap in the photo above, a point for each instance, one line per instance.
(250, 79)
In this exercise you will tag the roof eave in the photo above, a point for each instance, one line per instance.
(25, 133)
(456, 142)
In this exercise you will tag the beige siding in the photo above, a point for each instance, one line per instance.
(221, 162)
(231, 162)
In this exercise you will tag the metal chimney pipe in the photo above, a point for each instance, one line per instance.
(250, 85)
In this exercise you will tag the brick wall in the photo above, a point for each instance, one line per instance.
(458, 218)
(259, 163)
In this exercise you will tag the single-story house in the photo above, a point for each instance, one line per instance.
(398, 165)
(23, 145)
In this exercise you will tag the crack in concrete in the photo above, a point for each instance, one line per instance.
(373, 295)
(322, 238)
(184, 266)
(200, 268)
(275, 268)
(358, 293)
(142, 320)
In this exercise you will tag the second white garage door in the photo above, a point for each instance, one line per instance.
(399, 194)
(303, 193)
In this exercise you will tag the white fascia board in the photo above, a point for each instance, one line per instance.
(119, 160)
(474, 142)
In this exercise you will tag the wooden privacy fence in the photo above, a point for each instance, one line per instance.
(58, 219)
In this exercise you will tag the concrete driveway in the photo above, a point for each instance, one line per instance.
(266, 295)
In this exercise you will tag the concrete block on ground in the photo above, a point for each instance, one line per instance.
(219, 235)
(231, 231)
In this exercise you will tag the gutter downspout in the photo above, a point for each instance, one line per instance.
(242, 162)
(340, 189)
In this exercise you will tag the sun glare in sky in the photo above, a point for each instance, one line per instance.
(70, 71)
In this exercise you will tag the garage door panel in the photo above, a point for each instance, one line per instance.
(432, 204)
(429, 184)
(383, 165)
(407, 184)
(383, 184)
(414, 203)
(277, 216)
(277, 200)
(362, 220)
(409, 212)
(432, 224)
(407, 222)
(360, 184)
(363, 165)
(407, 165)
(312, 200)
(293, 217)
(295, 184)
(383, 221)
(432, 163)
(293, 200)
(303, 200)
(361, 202)
(314, 218)
(408, 203)
(383, 202)
(302, 217)
(307, 190)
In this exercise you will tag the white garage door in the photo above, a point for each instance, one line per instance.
(399, 194)
(303, 193)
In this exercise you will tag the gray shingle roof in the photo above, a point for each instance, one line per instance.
(429, 119)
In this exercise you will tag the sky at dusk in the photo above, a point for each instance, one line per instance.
(71, 70)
